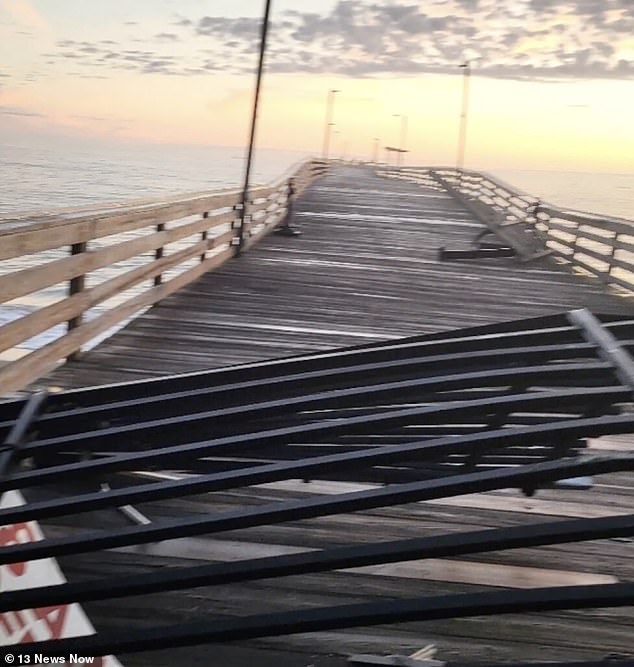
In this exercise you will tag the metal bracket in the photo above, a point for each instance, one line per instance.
(445, 255)
(13, 441)
(287, 230)
(608, 346)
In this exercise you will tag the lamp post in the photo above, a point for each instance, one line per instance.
(254, 117)
(330, 103)
(462, 134)
(403, 138)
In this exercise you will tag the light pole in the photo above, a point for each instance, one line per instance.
(254, 118)
(462, 135)
(330, 103)
(375, 150)
(403, 139)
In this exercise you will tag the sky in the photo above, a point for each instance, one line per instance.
(552, 83)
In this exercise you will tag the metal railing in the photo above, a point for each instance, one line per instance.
(492, 407)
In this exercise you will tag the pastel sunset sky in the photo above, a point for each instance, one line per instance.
(552, 84)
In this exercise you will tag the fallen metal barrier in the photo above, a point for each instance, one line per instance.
(420, 418)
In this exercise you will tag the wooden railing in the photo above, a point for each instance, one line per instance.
(601, 246)
(84, 272)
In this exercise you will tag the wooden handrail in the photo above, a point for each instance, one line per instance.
(599, 245)
(151, 237)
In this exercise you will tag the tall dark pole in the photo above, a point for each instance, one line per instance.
(462, 137)
(247, 171)
(330, 102)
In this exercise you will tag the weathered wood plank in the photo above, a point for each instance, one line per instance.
(18, 373)
(19, 283)
(69, 231)
(22, 329)
(605, 223)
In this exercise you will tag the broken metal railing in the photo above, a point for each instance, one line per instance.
(422, 418)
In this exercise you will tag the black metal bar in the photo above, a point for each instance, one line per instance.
(187, 401)
(15, 439)
(523, 477)
(254, 116)
(344, 616)
(421, 448)
(609, 347)
(445, 255)
(171, 454)
(482, 338)
(553, 329)
(115, 437)
(309, 562)
(546, 330)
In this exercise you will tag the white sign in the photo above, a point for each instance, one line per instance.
(33, 625)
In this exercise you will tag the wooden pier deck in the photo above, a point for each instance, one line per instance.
(366, 268)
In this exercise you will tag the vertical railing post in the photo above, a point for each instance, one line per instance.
(606, 274)
(75, 286)
(158, 279)
(575, 243)
(203, 237)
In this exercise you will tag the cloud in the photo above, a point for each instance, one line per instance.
(513, 39)
(167, 37)
(85, 117)
(182, 21)
(241, 27)
(98, 56)
(517, 39)
(19, 111)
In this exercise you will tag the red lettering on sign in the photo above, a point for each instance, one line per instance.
(13, 623)
(18, 533)
(54, 617)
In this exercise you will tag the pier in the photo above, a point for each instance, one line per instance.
(366, 268)
(429, 255)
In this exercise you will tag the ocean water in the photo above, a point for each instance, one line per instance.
(40, 178)
(601, 193)
(46, 179)
(36, 178)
